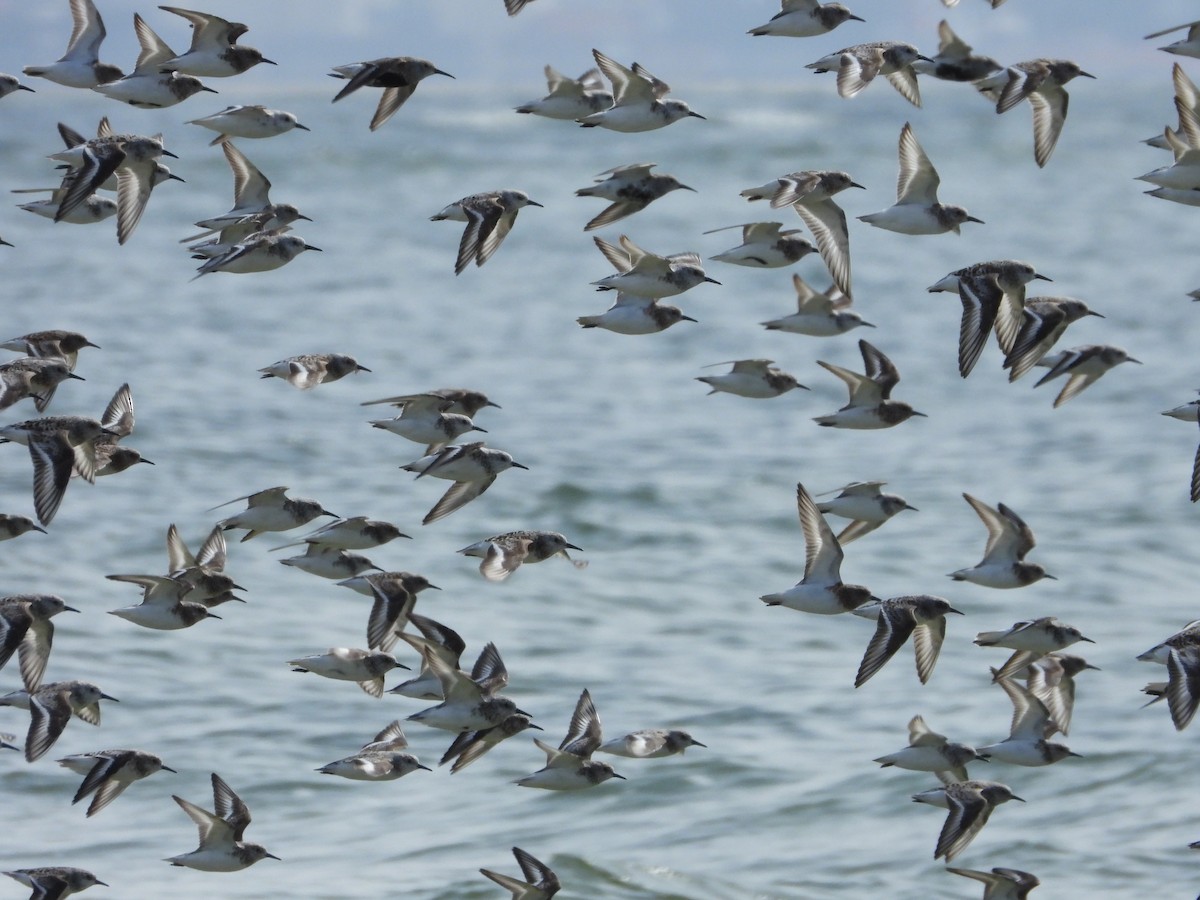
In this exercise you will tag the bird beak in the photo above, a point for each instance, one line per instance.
(1015, 797)
(953, 610)
(174, 177)
(148, 462)
(1090, 666)
(1087, 75)
(363, 369)
(169, 769)
(107, 697)
(696, 743)
(694, 115)
(306, 219)
(1098, 315)
(440, 72)
(921, 414)
(433, 587)
(681, 319)
(1089, 640)
(209, 90)
(684, 187)
(973, 219)
(326, 512)
(573, 547)
(22, 87)
(983, 757)
(1051, 577)
(1132, 360)
(311, 247)
(913, 508)
(76, 377)
(272, 855)
(400, 665)
(1042, 277)
(270, 62)
(536, 727)
(302, 127)
(69, 609)
(711, 280)
(426, 768)
(98, 881)
(617, 774)
(517, 465)
(926, 58)
(856, 184)
(169, 153)
(522, 712)
(854, 18)
(535, 203)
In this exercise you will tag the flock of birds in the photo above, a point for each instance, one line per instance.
(255, 235)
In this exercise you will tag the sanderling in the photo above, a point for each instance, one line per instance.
(118, 419)
(1187, 107)
(221, 846)
(132, 158)
(205, 571)
(758, 378)
(472, 468)
(1188, 46)
(355, 533)
(248, 122)
(970, 804)
(442, 642)
(1052, 680)
(818, 313)
(1043, 321)
(540, 881)
(13, 526)
(857, 67)
(213, 52)
(272, 510)
(1084, 365)
(644, 274)
(954, 60)
(108, 772)
(80, 66)
(9, 84)
(1040, 81)
(570, 98)
(58, 446)
(252, 206)
(55, 881)
(64, 345)
(32, 378)
(1184, 173)
(921, 615)
(378, 760)
(917, 210)
(388, 582)
(865, 505)
(870, 403)
(93, 209)
(805, 18)
(307, 371)
(992, 294)
(928, 751)
(650, 743)
(635, 315)
(1026, 744)
(365, 668)
(503, 554)
(1031, 639)
(462, 400)
(330, 562)
(163, 606)
(638, 100)
(1001, 883)
(262, 251)
(51, 707)
(397, 75)
(490, 217)
(1186, 638)
(424, 419)
(470, 745)
(630, 189)
(821, 590)
(472, 702)
(1009, 539)
(150, 86)
(25, 626)
(765, 245)
(570, 767)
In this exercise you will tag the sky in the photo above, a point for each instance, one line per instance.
(682, 41)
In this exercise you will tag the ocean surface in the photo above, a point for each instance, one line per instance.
(684, 503)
